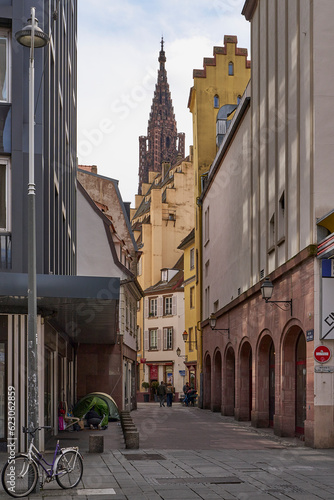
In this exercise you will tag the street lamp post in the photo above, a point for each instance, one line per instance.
(267, 289)
(32, 36)
(213, 321)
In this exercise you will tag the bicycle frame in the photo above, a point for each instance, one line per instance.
(49, 468)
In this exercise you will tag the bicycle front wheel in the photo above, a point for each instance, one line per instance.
(69, 469)
(19, 476)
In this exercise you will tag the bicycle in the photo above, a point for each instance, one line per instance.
(20, 474)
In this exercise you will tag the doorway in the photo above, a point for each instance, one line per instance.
(271, 384)
(300, 384)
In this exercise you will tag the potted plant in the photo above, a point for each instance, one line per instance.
(146, 385)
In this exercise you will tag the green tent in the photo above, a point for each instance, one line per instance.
(87, 402)
(113, 409)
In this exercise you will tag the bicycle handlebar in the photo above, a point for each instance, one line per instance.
(27, 431)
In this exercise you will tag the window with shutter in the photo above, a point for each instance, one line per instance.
(146, 307)
(168, 306)
(160, 306)
(146, 341)
(138, 340)
(153, 339)
(159, 340)
(174, 307)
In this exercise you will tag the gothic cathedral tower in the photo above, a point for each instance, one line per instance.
(162, 143)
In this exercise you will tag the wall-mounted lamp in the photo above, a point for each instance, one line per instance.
(267, 291)
(213, 321)
(186, 341)
(178, 352)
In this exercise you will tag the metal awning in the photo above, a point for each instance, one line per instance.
(327, 221)
(83, 307)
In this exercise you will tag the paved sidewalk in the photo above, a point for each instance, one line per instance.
(187, 453)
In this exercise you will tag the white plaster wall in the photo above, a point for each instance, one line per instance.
(227, 253)
(94, 256)
(323, 74)
(158, 356)
(289, 143)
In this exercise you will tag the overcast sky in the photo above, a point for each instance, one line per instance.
(118, 49)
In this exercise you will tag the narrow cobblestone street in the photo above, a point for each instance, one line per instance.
(188, 453)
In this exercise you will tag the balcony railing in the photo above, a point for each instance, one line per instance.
(5, 250)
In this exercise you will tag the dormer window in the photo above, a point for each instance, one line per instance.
(164, 274)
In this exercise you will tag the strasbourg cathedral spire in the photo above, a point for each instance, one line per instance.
(162, 143)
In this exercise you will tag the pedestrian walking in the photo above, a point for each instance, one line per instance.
(169, 394)
(161, 393)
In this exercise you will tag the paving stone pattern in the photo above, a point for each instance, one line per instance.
(188, 453)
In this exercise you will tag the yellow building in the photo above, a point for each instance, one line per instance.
(163, 216)
(193, 343)
(222, 81)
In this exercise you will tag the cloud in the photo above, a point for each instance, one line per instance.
(118, 48)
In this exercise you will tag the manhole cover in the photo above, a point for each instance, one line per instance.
(143, 456)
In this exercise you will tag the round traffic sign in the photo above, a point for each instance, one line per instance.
(322, 354)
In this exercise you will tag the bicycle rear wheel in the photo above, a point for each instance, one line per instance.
(69, 469)
(19, 476)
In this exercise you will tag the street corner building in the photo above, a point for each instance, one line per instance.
(269, 361)
(71, 310)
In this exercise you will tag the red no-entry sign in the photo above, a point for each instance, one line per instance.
(322, 354)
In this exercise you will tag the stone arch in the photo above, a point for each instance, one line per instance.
(245, 381)
(207, 382)
(229, 382)
(216, 387)
(265, 381)
(293, 389)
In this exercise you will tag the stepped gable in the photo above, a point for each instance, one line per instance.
(211, 61)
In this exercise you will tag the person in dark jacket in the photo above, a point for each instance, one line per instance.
(161, 391)
(94, 419)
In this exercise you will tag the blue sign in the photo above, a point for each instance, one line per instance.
(182, 373)
(309, 335)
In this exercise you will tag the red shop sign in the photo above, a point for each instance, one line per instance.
(322, 354)
(154, 372)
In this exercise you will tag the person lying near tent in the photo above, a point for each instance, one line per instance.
(94, 419)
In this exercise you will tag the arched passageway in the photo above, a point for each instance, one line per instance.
(207, 383)
(293, 407)
(265, 382)
(229, 383)
(245, 396)
(217, 382)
